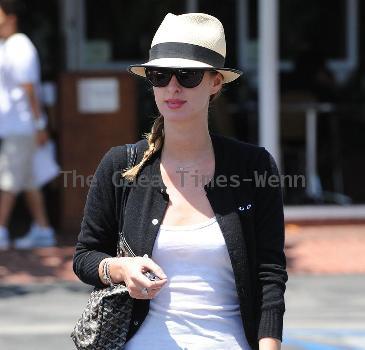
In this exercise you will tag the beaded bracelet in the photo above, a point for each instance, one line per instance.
(106, 273)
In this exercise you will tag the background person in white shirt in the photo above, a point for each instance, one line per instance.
(22, 128)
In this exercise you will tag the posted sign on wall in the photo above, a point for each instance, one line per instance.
(98, 95)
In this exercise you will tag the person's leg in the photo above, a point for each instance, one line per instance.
(35, 202)
(8, 189)
(7, 202)
(40, 233)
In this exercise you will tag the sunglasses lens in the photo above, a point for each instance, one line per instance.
(157, 77)
(190, 78)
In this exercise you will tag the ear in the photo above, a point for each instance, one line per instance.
(217, 82)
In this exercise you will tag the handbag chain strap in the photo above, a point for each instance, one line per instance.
(131, 162)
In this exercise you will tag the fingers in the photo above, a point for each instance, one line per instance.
(139, 291)
(150, 265)
(146, 293)
(138, 281)
(141, 281)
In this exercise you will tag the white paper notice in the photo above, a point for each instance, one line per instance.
(98, 95)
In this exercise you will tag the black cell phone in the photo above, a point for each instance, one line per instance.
(151, 276)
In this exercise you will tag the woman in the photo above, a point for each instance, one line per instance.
(214, 235)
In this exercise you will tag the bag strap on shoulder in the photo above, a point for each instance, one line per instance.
(131, 162)
(131, 154)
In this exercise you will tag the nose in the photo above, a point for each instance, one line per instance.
(174, 84)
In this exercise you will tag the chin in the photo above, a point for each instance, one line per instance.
(174, 113)
(175, 117)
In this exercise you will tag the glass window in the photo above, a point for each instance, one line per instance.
(225, 11)
(319, 24)
(123, 30)
(40, 22)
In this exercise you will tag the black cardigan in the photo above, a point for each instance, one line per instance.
(250, 216)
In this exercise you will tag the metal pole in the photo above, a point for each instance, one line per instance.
(192, 6)
(72, 20)
(310, 152)
(242, 32)
(313, 188)
(268, 78)
(352, 8)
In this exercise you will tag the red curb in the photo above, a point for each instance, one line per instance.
(310, 249)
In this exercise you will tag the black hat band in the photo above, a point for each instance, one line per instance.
(187, 51)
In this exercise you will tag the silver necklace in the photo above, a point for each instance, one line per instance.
(186, 167)
(189, 166)
(181, 168)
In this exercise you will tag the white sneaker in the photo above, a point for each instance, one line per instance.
(4, 238)
(37, 236)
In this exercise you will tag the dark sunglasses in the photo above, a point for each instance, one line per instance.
(188, 78)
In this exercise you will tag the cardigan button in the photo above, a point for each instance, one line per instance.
(136, 323)
(155, 221)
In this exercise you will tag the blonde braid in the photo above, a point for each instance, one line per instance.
(155, 140)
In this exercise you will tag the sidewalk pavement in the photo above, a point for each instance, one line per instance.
(310, 249)
(41, 299)
(322, 313)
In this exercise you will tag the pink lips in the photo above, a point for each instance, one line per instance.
(174, 103)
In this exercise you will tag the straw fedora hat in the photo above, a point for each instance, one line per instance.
(191, 40)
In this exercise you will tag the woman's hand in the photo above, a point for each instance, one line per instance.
(130, 271)
(269, 344)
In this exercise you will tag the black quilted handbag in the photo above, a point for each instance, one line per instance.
(104, 323)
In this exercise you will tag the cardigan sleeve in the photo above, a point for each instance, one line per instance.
(99, 227)
(269, 225)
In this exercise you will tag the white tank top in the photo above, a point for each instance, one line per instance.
(198, 308)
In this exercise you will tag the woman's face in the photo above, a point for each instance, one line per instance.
(177, 103)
